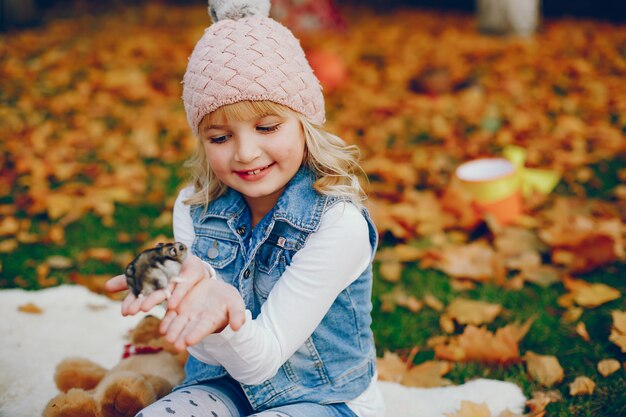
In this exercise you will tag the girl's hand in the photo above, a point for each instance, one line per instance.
(208, 308)
(192, 272)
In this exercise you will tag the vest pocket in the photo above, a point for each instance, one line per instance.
(268, 257)
(305, 367)
(217, 252)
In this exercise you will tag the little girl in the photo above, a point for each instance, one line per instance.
(274, 306)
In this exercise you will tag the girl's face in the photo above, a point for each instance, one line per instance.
(256, 157)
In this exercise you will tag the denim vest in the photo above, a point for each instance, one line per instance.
(336, 363)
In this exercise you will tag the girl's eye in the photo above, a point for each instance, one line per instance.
(218, 139)
(268, 129)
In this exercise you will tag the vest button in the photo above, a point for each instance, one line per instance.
(246, 273)
(241, 230)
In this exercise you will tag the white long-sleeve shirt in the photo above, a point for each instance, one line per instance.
(332, 258)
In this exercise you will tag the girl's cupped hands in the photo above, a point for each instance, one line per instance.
(198, 305)
(208, 308)
(192, 272)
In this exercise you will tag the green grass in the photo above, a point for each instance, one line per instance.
(399, 330)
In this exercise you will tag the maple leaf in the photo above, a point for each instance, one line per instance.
(583, 243)
(474, 261)
(618, 331)
(398, 297)
(608, 366)
(590, 295)
(582, 385)
(581, 329)
(545, 369)
(427, 374)
(400, 253)
(474, 312)
(433, 302)
(9, 226)
(540, 400)
(390, 271)
(391, 367)
(479, 344)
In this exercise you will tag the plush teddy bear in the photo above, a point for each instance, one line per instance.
(144, 375)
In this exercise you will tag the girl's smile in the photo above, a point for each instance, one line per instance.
(255, 174)
(256, 157)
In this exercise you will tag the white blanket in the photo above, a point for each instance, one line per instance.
(77, 322)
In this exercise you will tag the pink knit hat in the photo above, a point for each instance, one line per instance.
(245, 55)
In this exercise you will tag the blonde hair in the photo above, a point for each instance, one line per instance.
(334, 163)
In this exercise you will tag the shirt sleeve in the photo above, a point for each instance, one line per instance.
(332, 258)
(181, 218)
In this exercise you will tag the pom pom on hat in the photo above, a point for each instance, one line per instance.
(246, 55)
(237, 9)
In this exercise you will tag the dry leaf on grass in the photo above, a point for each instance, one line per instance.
(391, 367)
(582, 385)
(582, 243)
(590, 295)
(427, 374)
(540, 400)
(476, 312)
(399, 298)
(59, 262)
(433, 302)
(618, 331)
(581, 329)
(473, 261)
(390, 271)
(481, 345)
(399, 253)
(544, 369)
(572, 314)
(608, 366)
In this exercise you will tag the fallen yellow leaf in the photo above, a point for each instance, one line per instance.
(390, 271)
(399, 298)
(391, 367)
(9, 226)
(30, 308)
(400, 253)
(572, 314)
(544, 369)
(473, 261)
(479, 344)
(470, 409)
(581, 329)
(582, 385)
(433, 302)
(427, 374)
(618, 331)
(590, 295)
(608, 366)
(475, 312)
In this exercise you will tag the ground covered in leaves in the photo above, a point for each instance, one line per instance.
(93, 136)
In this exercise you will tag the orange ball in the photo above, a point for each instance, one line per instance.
(329, 68)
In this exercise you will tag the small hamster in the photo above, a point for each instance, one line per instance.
(154, 268)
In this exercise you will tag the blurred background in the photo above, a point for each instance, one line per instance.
(21, 12)
(93, 138)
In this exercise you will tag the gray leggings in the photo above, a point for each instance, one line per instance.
(225, 398)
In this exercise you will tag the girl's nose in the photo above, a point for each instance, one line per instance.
(247, 149)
